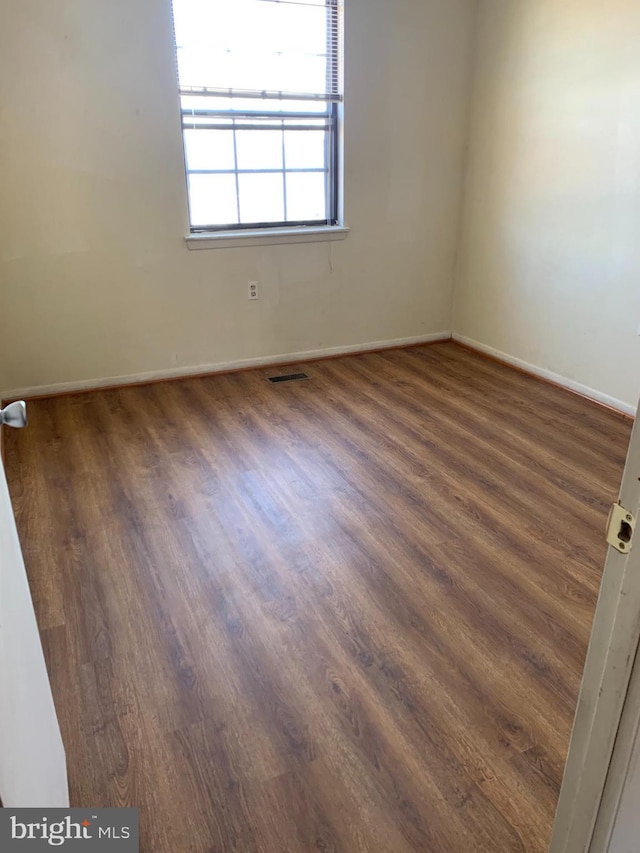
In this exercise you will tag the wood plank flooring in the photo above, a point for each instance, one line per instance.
(345, 614)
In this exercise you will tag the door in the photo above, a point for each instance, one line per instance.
(605, 684)
(617, 827)
(33, 768)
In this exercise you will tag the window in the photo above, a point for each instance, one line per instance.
(260, 91)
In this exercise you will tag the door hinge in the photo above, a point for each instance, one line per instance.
(620, 528)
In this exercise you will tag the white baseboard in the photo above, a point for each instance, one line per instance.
(570, 384)
(218, 367)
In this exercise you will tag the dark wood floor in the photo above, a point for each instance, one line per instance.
(348, 614)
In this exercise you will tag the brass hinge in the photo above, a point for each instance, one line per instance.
(620, 528)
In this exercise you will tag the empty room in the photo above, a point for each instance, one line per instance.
(319, 366)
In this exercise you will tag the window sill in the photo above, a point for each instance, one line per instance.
(266, 237)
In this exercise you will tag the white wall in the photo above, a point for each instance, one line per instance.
(549, 265)
(96, 278)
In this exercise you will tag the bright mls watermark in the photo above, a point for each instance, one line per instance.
(82, 830)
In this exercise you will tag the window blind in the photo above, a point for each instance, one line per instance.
(272, 49)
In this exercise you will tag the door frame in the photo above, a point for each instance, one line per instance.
(610, 659)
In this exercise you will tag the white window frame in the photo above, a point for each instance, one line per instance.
(233, 120)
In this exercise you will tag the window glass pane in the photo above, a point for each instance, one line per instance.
(308, 72)
(259, 149)
(203, 67)
(261, 198)
(191, 18)
(304, 149)
(289, 28)
(212, 200)
(306, 196)
(209, 149)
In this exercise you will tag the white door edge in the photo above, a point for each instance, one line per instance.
(610, 658)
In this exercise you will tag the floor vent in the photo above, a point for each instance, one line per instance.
(291, 377)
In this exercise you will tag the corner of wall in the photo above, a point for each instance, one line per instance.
(471, 86)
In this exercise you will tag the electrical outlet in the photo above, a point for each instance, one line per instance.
(253, 290)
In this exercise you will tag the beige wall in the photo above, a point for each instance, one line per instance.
(96, 280)
(549, 267)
